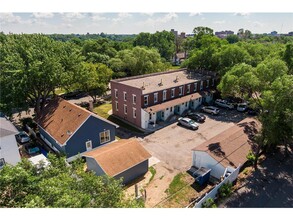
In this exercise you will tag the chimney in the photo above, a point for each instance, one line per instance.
(143, 88)
(161, 83)
(176, 80)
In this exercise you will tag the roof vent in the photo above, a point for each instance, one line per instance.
(70, 109)
(161, 83)
(64, 106)
(143, 88)
(62, 135)
(176, 80)
(69, 132)
(79, 114)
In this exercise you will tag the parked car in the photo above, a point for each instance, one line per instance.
(187, 122)
(253, 112)
(242, 107)
(196, 116)
(224, 104)
(22, 137)
(32, 148)
(211, 110)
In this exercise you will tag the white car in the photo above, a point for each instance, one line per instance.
(189, 123)
(242, 107)
(22, 137)
(210, 109)
(224, 104)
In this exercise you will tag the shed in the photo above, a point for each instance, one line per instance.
(124, 158)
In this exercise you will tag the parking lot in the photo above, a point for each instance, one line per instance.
(172, 144)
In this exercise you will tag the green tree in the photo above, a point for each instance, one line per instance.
(288, 57)
(59, 186)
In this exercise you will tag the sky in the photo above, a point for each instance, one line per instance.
(135, 16)
(134, 23)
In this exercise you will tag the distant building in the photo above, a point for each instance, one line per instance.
(274, 33)
(147, 99)
(224, 34)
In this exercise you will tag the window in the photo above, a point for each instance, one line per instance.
(213, 82)
(116, 93)
(150, 116)
(164, 95)
(208, 82)
(116, 106)
(163, 114)
(180, 90)
(172, 93)
(155, 97)
(125, 96)
(2, 162)
(188, 88)
(125, 109)
(201, 85)
(186, 104)
(195, 87)
(192, 103)
(171, 109)
(146, 100)
(105, 136)
(133, 99)
(88, 145)
(134, 113)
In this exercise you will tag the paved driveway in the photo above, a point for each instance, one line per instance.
(172, 145)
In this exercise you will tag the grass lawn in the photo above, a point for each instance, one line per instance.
(153, 172)
(180, 192)
(102, 110)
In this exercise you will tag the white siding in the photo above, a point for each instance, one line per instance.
(144, 119)
(203, 159)
(9, 150)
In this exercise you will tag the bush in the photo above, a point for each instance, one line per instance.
(251, 157)
(209, 203)
(225, 190)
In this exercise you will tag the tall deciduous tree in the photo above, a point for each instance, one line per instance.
(59, 186)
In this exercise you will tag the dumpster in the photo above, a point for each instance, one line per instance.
(201, 175)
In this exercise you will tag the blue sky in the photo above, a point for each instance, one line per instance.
(128, 23)
(135, 16)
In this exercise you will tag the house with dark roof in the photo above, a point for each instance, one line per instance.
(145, 100)
(9, 153)
(227, 150)
(125, 159)
(72, 130)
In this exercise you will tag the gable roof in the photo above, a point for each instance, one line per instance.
(7, 128)
(231, 147)
(61, 119)
(116, 157)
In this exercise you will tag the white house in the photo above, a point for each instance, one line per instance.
(9, 153)
(226, 151)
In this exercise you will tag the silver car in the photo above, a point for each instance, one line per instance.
(189, 123)
(22, 137)
(210, 109)
(224, 104)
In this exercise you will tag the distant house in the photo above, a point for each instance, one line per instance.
(9, 153)
(124, 158)
(70, 129)
(227, 150)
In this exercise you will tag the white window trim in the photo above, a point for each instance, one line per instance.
(134, 112)
(146, 96)
(201, 85)
(164, 95)
(180, 90)
(125, 108)
(195, 87)
(134, 101)
(107, 131)
(116, 106)
(188, 88)
(155, 97)
(116, 93)
(173, 93)
(86, 145)
(125, 96)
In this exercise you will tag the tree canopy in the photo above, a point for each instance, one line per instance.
(59, 185)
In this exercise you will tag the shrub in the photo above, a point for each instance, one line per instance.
(209, 203)
(225, 190)
(251, 157)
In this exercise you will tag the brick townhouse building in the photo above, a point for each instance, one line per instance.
(147, 99)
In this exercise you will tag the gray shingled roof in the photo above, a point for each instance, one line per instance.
(7, 128)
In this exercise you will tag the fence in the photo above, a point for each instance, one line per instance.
(213, 193)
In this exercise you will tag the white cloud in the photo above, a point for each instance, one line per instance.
(70, 16)
(257, 24)
(160, 20)
(194, 14)
(243, 14)
(98, 17)
(9, 18)
(169, 17)
(219, 22)
(148, 13)
(42, 15)
(121, 17)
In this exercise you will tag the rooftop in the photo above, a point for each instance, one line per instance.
(163, 80)
(231, 147)
(61, 119)
(116, 157)
(7, 128)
